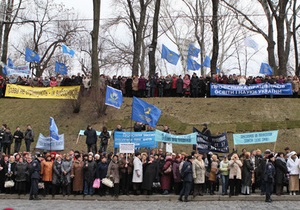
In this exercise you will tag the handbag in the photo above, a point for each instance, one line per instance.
(107, 182)
(41, 185)
(9, 184)
(156, 185)
(96, 183)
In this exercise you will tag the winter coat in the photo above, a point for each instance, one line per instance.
(235, 169)
(168, 83)
(187, 171)
(101, 171)
(113, 171)
(21, 172)
(7, 137)
(293, 166)
(260, 171)
(199, 171)
(56, 177)
(18, 136)
(47, 170)
(165, 179)
(176, 173)
(179, 86)
(35, 169)
(280, 170)
(104, 137)
(247, 173)
(194, 82)
(224, 168)
(77, 173)
(89, 171)
(213, 171)
(137, 170)
(29, 135)
(129, 167)
(66, 166)
(91, 136)
(150, 175)
(142, 84)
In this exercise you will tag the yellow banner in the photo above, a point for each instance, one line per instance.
(62, 92)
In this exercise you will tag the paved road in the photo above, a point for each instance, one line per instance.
(93, 205)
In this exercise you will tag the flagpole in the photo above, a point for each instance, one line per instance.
(50, 137)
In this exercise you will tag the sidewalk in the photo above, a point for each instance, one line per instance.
(255, 197)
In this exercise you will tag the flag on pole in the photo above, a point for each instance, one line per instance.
(249, 42)
(265, 69)
(67, 50)
(193, 51)
(114, 97)
(144, 112)
(61, 68)
(53, 130)
(206, 62)
(169, 55)
(31, 56)
(10, 63)
(192, 64)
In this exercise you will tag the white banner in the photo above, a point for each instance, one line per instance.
(127, 147)
(44, 143)
(22, 71)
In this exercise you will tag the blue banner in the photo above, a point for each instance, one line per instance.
(140, 139)
(44, 143)
(22, 71)
(255, 138)
(207, 144)
(174, 139)
(251, 90)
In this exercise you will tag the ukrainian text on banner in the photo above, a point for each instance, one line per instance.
(251, 90)
(174, 139)
(18, 71)
(140, 139)
(211, 143)
(62, 92)
(255, 138)
(44, 143)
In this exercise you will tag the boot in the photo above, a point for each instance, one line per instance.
(30, 197)
(36, 197)
(180, 198)
(185, 199)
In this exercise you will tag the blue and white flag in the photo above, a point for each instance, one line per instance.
(114, 97)
(53, 130)
(206, 62)
(192, 64)
(31, 56)
(10, 63)
(67, 50)
(193, 51)
(144, 112)
(265, 69)
(169, 55)
(61, 68)
(249, 42)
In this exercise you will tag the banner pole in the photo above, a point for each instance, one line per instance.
(274, 147)
(77, 138)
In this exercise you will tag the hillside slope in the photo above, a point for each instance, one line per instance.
(231, 115)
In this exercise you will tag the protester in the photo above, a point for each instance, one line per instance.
(114, 173)
(224, 169)
(137, 177)
(281, 173)
(66, 168)
(46, 173)
(21, 171)
(18, 136)
(29, 137)
(104, 139)
(269, 177)
(89, 174)
(187, 177)
(199, 175)
(235, 175)
(293, 168)
(35, 170)
(77, 174)
(91, 139)
(57, 175)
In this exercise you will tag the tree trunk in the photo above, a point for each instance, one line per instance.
(295, 39)
(215, 53)
(152, 48)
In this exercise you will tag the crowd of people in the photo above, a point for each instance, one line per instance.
(147, 172)
(153, 86)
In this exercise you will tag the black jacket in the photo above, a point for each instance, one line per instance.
(281, 170)
(7, 137)
(91, 136)
(18, 136)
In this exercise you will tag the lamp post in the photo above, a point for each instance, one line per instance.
(151, 55)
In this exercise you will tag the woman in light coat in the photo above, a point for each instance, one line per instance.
(198, 175)
(137, 177)
(114, 172)
(293, 168)
(235, 175)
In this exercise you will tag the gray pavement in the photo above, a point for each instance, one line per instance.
(18, 204)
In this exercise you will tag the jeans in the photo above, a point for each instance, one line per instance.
(225, 180)
(88, 188)
(186, 189)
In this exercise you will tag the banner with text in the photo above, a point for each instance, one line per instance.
(44, 143)
(140, 139)
(174, 139)
(62, 92)
(251, 90)
(22, 71)
(255, 138)
(206, 143)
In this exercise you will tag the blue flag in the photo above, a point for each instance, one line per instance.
(31, 56)
(61, 68)
(144, 112)
(193, 51)
(192, 64)
(114, 97)
(53, 130)
(67, 50)
(169, 55)
(10, 63)
(206, 62)
(265, 69)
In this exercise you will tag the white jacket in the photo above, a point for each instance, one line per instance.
(137, 171)
(293, 166)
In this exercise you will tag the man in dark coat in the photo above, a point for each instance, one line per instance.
(2, 131)
(35, 170)
(7, 141)
(91, 139)
(89, 173)
(261, 171)
(269, 177)
(195, 85)
(281, 171)
(18, 136)
(187, 177)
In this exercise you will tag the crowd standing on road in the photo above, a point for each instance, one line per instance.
(145, 172)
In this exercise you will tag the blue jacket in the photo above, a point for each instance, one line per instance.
(187, 172)
(269, 172)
